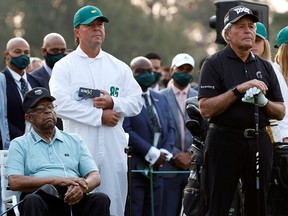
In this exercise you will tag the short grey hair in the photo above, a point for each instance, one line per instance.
(226, 29)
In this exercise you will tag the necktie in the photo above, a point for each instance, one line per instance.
(24, 87)
(152, 115)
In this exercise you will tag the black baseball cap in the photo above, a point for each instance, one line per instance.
(236, 13)
(32, 97)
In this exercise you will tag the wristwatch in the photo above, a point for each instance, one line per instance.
(236, 92)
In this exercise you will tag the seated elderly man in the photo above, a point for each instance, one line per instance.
(47, 155)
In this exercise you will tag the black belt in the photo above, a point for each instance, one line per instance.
(247, 133)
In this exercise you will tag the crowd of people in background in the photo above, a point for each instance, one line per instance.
(88, 97)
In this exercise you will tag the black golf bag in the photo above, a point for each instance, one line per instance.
(192, 198)
(198, 128)
(278, 193)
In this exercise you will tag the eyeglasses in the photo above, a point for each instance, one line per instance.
(42, 108)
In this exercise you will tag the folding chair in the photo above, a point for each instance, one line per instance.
(9, 197)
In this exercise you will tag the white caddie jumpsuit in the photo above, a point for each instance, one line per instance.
(105, 143)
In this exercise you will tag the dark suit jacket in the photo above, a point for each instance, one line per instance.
(43, 74)
(140, 131)
(15, 112)
(141, 137)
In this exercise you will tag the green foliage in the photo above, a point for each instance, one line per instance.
(130, 32)
(39, 18)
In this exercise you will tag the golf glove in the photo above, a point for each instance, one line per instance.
(249, 97)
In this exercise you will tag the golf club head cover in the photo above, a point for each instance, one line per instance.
(193, 111)
(192, 108)
(194, 127)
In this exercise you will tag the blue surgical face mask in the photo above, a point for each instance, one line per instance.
(51, 59)
(145, 79)
(182, 78)
(21, 62)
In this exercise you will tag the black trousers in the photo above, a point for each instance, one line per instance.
(229, 156)
(141, 196)
(96, 204)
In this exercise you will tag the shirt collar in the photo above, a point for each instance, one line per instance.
(36, 138)
(177, 90)
(47, 68)
(156, 87)
(232, 54)
(16, 76)
(147, 93)
(80, 52)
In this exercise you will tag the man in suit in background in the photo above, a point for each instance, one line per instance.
(156, 64)
(18, 82)
(53, 49)
(151, 136)
(181, 71)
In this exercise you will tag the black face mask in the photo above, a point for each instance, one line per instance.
(51, 59)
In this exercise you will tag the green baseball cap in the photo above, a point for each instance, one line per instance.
(87, 14)
(282, 37)
(261, 31)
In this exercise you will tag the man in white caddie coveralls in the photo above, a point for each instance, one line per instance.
(97, 119)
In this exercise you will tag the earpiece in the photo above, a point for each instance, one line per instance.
(60, 162)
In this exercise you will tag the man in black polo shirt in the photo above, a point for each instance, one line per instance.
(229, 80)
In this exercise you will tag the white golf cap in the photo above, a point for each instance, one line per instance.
(181, 59)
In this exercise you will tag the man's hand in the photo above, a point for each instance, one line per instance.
(244, 87)
(65, 182)
(104, 102)
(161, 160)
(76, 188)
(183, 160)
(110, 117)
(249, 97)
(73, 195)
(83, 184)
